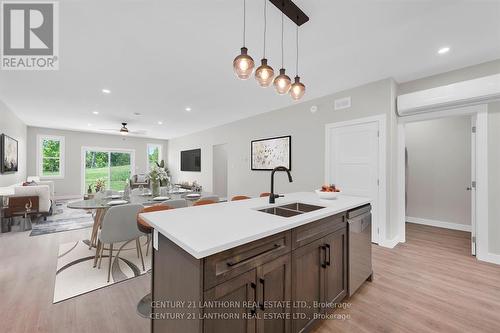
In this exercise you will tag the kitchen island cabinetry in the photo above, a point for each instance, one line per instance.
(281, 283)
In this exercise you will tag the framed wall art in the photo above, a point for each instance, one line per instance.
(9, 154)
(266, 154)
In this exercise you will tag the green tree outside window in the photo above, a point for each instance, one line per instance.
(153, 155)
(51, 157)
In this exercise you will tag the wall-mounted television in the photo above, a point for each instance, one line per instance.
(191, 160)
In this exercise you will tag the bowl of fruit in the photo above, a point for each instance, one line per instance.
(328, 192)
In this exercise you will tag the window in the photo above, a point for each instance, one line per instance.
(111, 166)
(50, 156)
(154, 154)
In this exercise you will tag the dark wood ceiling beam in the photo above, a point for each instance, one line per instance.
(291, 10)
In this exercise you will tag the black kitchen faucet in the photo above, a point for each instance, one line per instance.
(273, 196)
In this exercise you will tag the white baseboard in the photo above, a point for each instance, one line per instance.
(390, 243)
(490, 257)
(439, 224)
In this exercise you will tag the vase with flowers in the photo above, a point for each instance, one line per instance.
(157, 176)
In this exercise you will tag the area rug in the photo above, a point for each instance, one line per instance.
(63, 219)
(76, 275)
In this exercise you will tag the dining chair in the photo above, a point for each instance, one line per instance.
(144, 226)
(136, 191)
(210, 197)
(119, 225)
(239, 197)
(204, 202)
(175, 203)
(265, 194)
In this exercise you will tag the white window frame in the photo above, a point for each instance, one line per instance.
(84, 150)
(160, 153)
(39, 157)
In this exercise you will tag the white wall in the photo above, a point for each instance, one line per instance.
(74, 141)
(308, 142)
(439, 167)
(16, 129)
(469, 73)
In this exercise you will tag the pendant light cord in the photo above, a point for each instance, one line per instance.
(297, 63)
(265, 28)
(282, 36)
(244, 20)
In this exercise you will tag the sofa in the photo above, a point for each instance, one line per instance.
(44, 190)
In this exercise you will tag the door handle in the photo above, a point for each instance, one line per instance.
(469, 188)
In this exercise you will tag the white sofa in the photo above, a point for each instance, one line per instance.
(44, 190)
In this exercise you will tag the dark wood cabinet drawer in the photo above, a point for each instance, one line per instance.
(308, 233)
(228, 264)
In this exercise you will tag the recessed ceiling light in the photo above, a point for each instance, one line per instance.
(188, 109)
(160, 122)
(106, 91)
(95, 112)
(89, 124)
(444, 50)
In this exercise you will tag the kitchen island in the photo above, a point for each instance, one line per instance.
(249, 266)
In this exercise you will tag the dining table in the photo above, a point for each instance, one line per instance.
(100, 205)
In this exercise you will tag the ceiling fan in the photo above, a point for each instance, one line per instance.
(124, 130)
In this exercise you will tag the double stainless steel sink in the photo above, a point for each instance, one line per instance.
(291, 209)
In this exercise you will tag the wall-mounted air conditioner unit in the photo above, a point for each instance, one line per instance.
(460, 94)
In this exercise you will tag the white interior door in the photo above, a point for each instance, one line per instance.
(472, 188)
(353, 164)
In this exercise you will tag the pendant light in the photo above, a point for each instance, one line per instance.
(282, 82)
(264, 74)
(243, 64)
(298, 89)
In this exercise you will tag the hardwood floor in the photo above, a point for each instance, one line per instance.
(429, 284)
(27, 274)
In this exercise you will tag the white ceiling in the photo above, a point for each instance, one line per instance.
(157, 57)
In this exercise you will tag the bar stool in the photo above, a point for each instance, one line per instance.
(144, 305)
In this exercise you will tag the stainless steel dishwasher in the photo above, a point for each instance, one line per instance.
(359, 224)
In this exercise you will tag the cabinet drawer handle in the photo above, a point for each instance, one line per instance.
(254, 287)
(263, 282)
(231, 264)
(329, 254)
(323, 248)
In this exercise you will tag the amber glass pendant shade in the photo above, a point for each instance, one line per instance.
(298, 89)
(282, 82)
(243, 65)
(264, 74)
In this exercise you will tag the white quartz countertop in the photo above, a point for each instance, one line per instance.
(206, 230)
